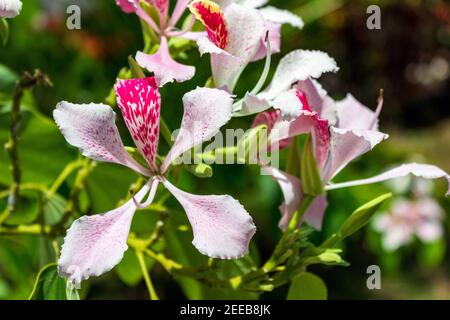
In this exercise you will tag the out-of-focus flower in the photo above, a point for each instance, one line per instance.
(237, 34)
(409, 218)
(165, 68)
(341, 132)
(95, 244)
(10, 8)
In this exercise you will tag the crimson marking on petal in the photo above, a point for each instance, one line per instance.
(210, 14)
(302, 97)
(140, 103)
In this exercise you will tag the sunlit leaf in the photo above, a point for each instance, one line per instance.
(307, 286)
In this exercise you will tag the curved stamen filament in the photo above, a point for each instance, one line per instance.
(150, 198)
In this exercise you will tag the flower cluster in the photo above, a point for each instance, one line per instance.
(235, 34)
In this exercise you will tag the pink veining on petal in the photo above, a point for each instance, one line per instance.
(95, 244)
(140, 103)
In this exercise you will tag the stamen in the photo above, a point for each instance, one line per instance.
(150, 198)
(172, 32)
(144, 16)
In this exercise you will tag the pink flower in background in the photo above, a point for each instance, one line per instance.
(236, 36)
(10, 8)
(95, 244)
(409, 218)
(165, 68)
(341, 131)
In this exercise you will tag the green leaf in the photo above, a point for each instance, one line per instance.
(54, 209)
(4, 31)
(307, 286)
(309, 172)
(356, 221)
(49, 286)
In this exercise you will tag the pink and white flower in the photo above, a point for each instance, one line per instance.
(409, 218)
(95, 244)
(338, 136)
(165, 68)
(10, 8)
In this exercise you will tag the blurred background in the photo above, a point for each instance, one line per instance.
(409, 58)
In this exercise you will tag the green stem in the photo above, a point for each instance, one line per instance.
(71, 167)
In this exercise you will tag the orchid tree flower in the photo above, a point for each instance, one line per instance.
(338, 138)
(165, 68)
(94, 244)
(10, 8)
(236, 35)
(421, 217)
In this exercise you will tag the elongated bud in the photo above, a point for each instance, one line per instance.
(309, 173)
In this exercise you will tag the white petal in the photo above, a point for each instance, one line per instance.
(346, 146)
(299, 65)
(10, 8)
(95, 244)
(281, 16)
(205, 112)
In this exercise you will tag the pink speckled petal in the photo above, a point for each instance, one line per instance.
(246, 28)
(10, 8)
(165, 68)
(279, 16)
(425, 171)
(347, 145)
(140, 103)
(296, 66)
(274, 38)
(205, 112)
(92, 129)
(222, 227)
(346, 110)
(95, 244)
